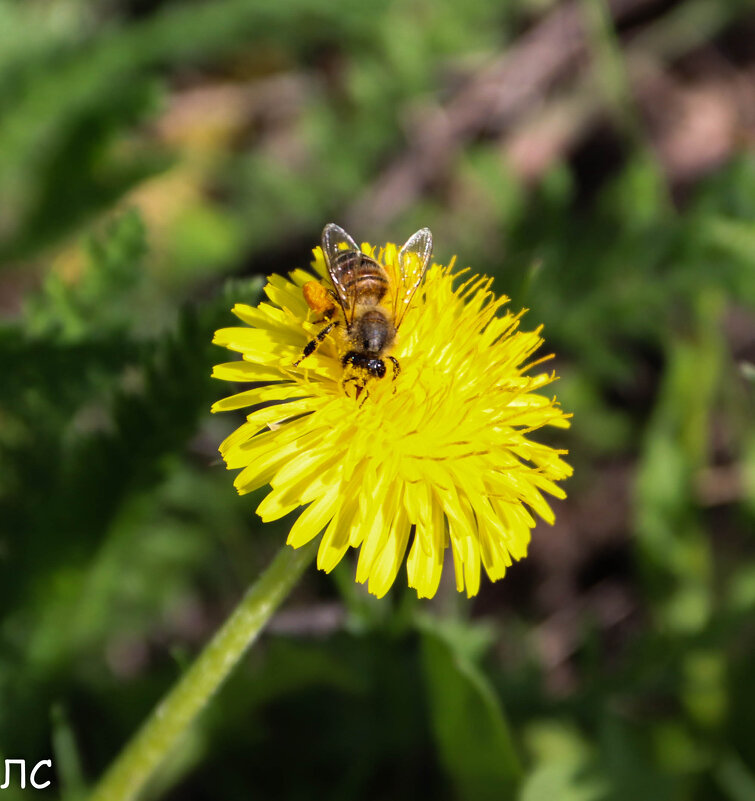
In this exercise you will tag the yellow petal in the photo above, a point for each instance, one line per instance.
(252, 397)
(314, 518)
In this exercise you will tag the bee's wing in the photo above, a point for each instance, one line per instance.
(335, 241)
(413, 259)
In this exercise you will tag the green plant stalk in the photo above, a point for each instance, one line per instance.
(163, 728)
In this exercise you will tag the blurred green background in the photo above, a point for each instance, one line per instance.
(598, 158)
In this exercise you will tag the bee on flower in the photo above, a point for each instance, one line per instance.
(396, 411)
(361, 285)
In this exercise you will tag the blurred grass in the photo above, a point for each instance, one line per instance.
(155, 160)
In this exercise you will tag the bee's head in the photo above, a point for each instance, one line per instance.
(371, 365)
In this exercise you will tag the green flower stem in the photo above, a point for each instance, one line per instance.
(160, 732)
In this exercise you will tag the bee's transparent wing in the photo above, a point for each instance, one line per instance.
(413, 259)
(335, 244)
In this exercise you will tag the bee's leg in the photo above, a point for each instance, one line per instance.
(347, 379)
(396, 370)
(327, 314)
(396, 367)
(358, 389)
(313, 344)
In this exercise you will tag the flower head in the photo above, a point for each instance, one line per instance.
(438, 457)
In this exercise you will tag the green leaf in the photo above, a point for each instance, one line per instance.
(735, 778)
(565, 766)
(629, 764)
(99, 303)
(66, 752)
(474, 742)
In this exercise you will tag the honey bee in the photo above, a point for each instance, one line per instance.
(373, 301)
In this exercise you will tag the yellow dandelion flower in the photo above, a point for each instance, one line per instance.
(438, 457)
